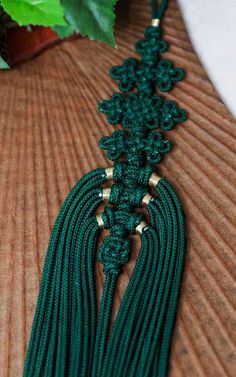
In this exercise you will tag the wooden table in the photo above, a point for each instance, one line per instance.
(49, 135)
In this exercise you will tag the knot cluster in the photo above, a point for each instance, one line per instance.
(154, 145)
(138, 146)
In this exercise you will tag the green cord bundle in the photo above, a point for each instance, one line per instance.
(69, 336)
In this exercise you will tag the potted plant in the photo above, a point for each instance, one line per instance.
(28, 26)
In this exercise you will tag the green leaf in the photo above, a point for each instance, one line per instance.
(92, 18)
(35, 12)
(3, 64)
(64, 31)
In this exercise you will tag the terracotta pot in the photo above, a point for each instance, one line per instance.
(26, 42)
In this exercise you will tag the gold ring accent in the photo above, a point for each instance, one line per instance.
(106, 193)
(100, 220)
(139, 229)
(155, 22)
(146, 199)
(154, 179)
(109, 173)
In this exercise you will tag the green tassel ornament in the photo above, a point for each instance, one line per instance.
(69, 336)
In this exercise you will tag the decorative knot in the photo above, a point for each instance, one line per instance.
(144, 176)
(152, 32)
(114, 253)
(171, 115)
(114, 144)
(113, 108)
(116, 192)
(156, 146)
(166, 75)
(146, 76)
(126, 74)
(119, 170)
(119, 229)
(133, 221)
(142, 111)
(108, 217)
(138, 146)
(137, 196)
(139, 113)
(152, 44)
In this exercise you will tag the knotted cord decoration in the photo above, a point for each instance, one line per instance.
(69, 338)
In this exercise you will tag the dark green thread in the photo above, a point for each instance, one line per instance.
(139, 113)
(68, 337)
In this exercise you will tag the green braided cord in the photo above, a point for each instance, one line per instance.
(146, 312)
(158, 13)
(89, 320)
(170, 317)
(136, 346)
(138, 307)
(68, 337)
(84, 333)
(58, 355)
(103, 323)
(47, 308)
(133, 296)
(143, 318)
(90, 203)
(162, 296)
(89, 181)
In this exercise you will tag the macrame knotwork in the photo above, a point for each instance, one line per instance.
(138, 146)
(70, 336)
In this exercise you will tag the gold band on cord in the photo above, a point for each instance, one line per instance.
(109, 173)
(106, 193)
(139, 229)
(155, 22)
(154, 179)
(100, 220)
(146, 199)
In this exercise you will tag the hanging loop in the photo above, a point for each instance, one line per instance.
(157, 12)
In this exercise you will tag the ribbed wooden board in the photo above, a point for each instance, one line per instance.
(49, 130)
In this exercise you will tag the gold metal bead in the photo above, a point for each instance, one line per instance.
(106, 193)
(109, 173)
(100, 220)
(154, 179)
(146, 199)
(155, 22)
(139, 229)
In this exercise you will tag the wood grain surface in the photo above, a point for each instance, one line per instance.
(49, 134)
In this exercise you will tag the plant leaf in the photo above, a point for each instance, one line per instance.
(35, 12)
(64, 31)
(92, 18)
(3, 64)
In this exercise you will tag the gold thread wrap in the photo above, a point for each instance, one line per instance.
(155, 22)
(154, 179)
(146, 199)
(109, 173)
(106, 193)
(139, 229)
(100, 220)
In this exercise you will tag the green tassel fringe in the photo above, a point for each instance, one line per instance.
(67, 338)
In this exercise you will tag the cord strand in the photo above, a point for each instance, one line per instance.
(157, 12)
